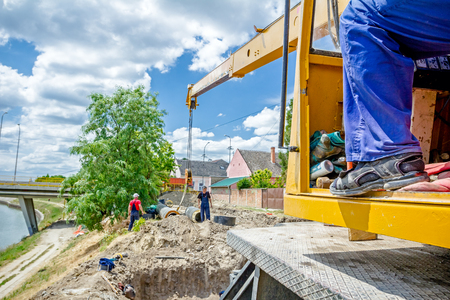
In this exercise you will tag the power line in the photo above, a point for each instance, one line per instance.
(226, 123)
(264, 136)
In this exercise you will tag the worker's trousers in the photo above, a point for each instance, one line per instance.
(134, 216)
(204, 210)
(379, 38)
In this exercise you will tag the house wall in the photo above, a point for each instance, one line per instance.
(197, 180)
(244, 197)
(238, 167)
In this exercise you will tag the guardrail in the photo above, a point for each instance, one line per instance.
(30, 181)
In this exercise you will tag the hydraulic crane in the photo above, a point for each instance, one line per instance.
(312, 33)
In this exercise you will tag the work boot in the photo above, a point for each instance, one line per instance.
(389, 173)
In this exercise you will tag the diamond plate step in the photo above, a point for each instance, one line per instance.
(318, 262)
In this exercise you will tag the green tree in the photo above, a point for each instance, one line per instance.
(122, 151)
(244, 183)
(261, 179)
(284, 155)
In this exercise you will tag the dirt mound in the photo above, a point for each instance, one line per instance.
(168, 259)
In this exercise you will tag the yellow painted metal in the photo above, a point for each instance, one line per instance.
(424, 220)
(264, 48)
(421, 217)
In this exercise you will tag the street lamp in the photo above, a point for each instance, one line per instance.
(1, 123)
(229, 149)
(17, 154)
(203, 172)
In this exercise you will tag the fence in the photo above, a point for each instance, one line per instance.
(259, 198)
(30, 181)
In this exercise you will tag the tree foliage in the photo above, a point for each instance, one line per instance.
(261, 179)
(122, 151)
(244, 183)
(284, 156)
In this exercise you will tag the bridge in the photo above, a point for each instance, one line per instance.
(27, 188)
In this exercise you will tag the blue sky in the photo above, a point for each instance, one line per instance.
(54, 54)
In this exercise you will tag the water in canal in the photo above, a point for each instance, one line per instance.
(12, 226)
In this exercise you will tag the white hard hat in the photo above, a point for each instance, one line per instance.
(136, 195)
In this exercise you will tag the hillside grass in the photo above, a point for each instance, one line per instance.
(16, 250)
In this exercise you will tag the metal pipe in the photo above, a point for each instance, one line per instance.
(287, 8)
(165, 211)
(229, 149)
(193, 213)
(1, 123)
(17, 154)
(203, 171)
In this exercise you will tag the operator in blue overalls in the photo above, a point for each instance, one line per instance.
(379, 40)
(204, 202)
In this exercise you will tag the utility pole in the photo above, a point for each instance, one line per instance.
(1, 123)
(229, 149)
(17, 154)
(203, 172)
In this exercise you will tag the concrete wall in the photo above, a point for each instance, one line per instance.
(244, 197)
(238, 167)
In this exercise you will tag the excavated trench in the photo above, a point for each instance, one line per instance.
(174, 258)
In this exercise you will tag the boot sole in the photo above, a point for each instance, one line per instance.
(386, 184)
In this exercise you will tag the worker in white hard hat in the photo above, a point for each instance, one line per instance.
(133, 210)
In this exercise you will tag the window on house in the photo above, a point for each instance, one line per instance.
(222, 167)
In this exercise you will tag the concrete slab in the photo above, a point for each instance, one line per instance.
(318, 262)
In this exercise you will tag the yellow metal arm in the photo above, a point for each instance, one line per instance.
(264, 48)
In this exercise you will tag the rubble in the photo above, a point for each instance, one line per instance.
(203, 272)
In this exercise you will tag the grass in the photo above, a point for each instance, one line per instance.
(40, 255)
(51, 213)
(43, 275)
(7, 279)
(106, 240)
(55, 268)
(19, 249)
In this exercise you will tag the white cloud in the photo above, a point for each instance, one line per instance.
(265, 122)
(93, 46)
(221, 115)
(216, 149)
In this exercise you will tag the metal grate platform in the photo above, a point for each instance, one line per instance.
(318, 262)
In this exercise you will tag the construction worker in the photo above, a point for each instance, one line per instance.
(133, 210)
(379, 40)
(204, 202)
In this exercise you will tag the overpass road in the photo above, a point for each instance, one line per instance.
(25, 189)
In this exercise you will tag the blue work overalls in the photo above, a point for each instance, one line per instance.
(379, 39)
(204, 206)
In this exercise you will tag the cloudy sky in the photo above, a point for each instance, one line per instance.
(53, 54)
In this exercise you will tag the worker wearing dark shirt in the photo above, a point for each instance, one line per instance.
(379, 40)
(204, 202)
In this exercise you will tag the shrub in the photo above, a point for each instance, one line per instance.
(244, 183)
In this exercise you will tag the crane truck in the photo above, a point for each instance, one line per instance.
(312, 261)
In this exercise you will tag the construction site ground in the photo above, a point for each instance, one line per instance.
(200, 271)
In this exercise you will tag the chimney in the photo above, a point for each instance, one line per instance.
(272, 154)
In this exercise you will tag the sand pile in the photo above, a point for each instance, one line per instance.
(201, 270)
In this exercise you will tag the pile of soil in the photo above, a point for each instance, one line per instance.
(201, 269)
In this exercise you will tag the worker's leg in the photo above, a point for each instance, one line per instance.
(378, 77)
(375, 36)
(132, 219)
(202, 212)
(207, 212)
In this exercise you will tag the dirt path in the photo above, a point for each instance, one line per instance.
(50, 244)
